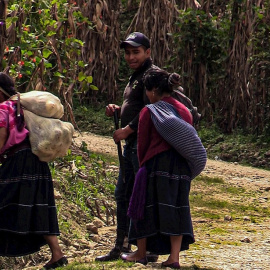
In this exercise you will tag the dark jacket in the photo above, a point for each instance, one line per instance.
(134, 99)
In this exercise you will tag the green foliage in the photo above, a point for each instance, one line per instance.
(234, 190)
(207, 48)
(92, 118)
(45, 44)
(260, 64)
(197, 29)
(208, 133)
(89, 179)
(200, 40)
(210, 215)
(261, 41)
(240, 146)
(219, 231)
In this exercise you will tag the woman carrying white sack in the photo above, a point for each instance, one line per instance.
(28, 218)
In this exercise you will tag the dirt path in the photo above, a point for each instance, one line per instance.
(248, 246)
(251, 178)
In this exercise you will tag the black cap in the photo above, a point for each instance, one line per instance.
(136, 39)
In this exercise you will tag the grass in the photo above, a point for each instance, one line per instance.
(90, 177)
(92, 118)
(119, 264)
(241, 146)
(210, 180)
(212, 198)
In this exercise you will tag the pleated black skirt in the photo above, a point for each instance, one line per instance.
(27, 206)
(167, 210)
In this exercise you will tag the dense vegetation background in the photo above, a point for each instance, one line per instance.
(221, 49)
(71, 48)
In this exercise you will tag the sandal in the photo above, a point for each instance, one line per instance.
(174, 265)
(61, 262)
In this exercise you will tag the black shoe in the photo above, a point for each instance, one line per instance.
(151, 257)
(126, 250)
(174, 265)
(61, 262)
(114, 254)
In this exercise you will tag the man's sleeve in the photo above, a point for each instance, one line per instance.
(134, 123)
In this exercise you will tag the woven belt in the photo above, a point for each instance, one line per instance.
(14, 149)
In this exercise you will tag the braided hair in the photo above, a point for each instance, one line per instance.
(160, 79)
(7, 87)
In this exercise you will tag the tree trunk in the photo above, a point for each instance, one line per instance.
(188, 4)
(3, 33)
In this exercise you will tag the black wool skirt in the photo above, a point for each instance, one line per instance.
(27, 206)
(167, 211)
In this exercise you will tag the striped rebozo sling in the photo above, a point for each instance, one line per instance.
(180, 135)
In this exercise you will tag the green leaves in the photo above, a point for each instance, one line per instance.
(58, 74)
(82, 77)
(46, 41)
(46, 53)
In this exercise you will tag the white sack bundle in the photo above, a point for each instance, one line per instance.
(41, 103)
(49, 138)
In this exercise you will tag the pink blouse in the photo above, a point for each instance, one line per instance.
(7, 120)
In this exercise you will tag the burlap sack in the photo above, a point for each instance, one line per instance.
(49, 138)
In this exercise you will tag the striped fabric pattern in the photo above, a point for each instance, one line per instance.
(167, 210)
(27, 205)
(179, 134)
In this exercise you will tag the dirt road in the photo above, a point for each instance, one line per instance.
(248, 244)
(252, 178)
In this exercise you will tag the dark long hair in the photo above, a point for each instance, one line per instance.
(160, 79)
(7, 87)
(7, 84)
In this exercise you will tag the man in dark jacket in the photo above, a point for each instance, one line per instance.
(137, 55)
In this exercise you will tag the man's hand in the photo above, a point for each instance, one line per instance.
(122, 133)
(111, 108)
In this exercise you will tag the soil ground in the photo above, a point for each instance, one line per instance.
(230, 243)
(248, 244)
(251, 178)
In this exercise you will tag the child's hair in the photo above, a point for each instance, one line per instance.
(160, 79)
(7, 87)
